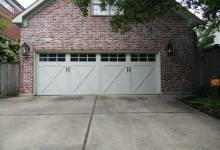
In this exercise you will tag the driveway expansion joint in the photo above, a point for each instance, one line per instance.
(90, 122)
(97, 113)
(61, 114)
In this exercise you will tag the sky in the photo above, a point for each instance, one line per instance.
(26, 3)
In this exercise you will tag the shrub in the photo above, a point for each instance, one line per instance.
(9, 51)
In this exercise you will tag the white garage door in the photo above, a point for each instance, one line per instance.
(91, 74)
(114, 75)
(52, 77)
(83, 73)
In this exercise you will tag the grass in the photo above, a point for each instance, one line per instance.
(209, 105)
(208, 102)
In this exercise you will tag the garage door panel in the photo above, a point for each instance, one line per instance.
(113, 79)
(145, 86)
(52, 80)
(83, 88)
(84, 79)
(144, 79)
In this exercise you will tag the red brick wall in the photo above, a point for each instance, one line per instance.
(11, 31)
(59, 26)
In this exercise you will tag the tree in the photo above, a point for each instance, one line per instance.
(140, 11)
(205, 37)
(210, 10)
(134, 11)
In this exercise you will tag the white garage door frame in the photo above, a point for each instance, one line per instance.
(98, 62)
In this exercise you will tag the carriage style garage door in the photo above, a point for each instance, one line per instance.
(91, 74)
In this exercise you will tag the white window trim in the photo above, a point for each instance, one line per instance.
(5, 4)
(97, 2)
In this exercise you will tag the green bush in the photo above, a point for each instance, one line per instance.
(9, 51)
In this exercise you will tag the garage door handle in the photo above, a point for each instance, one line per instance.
(68, 69)
(128, 69)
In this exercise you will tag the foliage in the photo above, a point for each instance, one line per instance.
(210, 10)
(143, 10)
(134, 11)
(206, 37)
(140, 11)
(2, 23)
(15, 48)
(9, 51)
(208, 102)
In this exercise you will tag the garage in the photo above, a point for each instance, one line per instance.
(97, 74)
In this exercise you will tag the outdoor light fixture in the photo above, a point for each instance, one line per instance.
(170, 49)
(25, 49)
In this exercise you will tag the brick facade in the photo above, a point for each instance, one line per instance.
(60, 27)
(11, 31)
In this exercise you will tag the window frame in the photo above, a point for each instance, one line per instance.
(6, 5)
(109, 8)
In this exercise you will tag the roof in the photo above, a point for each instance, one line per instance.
(19, 18)
(183, 12)
(189, 16)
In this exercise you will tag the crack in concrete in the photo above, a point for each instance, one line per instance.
(147, 113)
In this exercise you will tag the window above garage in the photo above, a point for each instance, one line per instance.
(96, 9)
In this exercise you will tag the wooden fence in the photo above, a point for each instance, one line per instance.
(9, 79)
(206, 66)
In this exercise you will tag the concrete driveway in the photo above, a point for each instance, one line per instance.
(105, 123)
